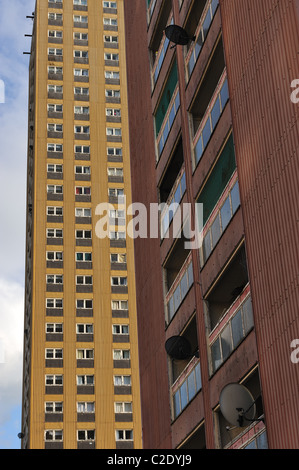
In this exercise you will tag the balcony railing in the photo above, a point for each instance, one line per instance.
(168, 122)
(232, 328)
(186, 386)
(179, 289)
(220, 217)
(160, 56)
(173, 202)
(211, 118)
(201, 34)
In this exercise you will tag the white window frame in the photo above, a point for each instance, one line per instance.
(120, 354)
(85, 327)
(57, 407)
(84, 378)
(111, 56)
(84, 303)
(85, 280)
(123, 407)
(56, 327)
(55, 107)
(80, 19)
(57, 303)
(82, 149)
(57, 279)
(55, 70)
(57, 435)
(123, 329)
(55, 31)
(52, 147)
(122, 380)
(83, 190)
(120, 306)
(54, 353)
(55, 378)
(57, 168)
(56, 232)
(56, 255)
(56, 210)
(85, 353)
(110, 93)
(124, 435)
(55, 88)
(85, 405)
(110, 21)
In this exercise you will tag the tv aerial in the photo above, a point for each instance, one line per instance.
(237, 405)
(179, 348)
(178, 35)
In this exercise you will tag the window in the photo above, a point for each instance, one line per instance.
(82, 149)
(123, 407)
(111, 56)
(53, 435)
(112, 93)
(81, 109)
(54, 233)
(81, 72)
(82, 212)
(113, 112)
(120, 329)
(54, 51)
(54, 353)
(54, 303)
(54, 328)
(81, 91)
(86, 435)
(85, 407)
(110, 21)
(80, 54)
(54, 147)
(122, 380)
(83, 234)
(54, 279)
(80, 2)
(85, 256)
(114, 151)
(56, 70)
(124, 435)
(116, 192)
(111, 74)
(54, 189)
(84, 303)
(55, 211)
(119, 354)
(54, 168)
(85, 379)
(84, 280)
(82, 129)
(55, 108)
(109, 4)
(80, 36)
(116, 214)
(82, 190)
(115, 172)
(82, 170)
(117, 235)
(118, 258)
(110, 131)
(80, 19)
(112, 39)
(84, 353)
(119, 305)
(55, 16)
(55, 127)
(84, 328)
(54, 255)
(54, 380)
(54, 407)
(55, 89)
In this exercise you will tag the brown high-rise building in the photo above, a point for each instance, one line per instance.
(215, 122)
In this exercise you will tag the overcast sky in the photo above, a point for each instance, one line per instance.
(13, 155)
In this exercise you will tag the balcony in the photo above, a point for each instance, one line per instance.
(210, 119)
(179, 287)
(233, 327)
(223, 212)
(168, 122)
(200, 35)
(173, 202)
(160, 56)
(186, 386)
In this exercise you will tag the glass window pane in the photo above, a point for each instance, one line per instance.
(247, 315)
(207, 245)
(237, 329)
(198, 150)
(191, 386)
(216, 231)
(224, 94)
(216, 354)
(215, 113)
(198, 377)
(226, 342)
(235, 197)
(206, 133)
(261, 441)
(184, 285)
(225, 214)
(177, 298)
(184, 395)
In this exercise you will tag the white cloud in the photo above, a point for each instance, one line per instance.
(11, 337)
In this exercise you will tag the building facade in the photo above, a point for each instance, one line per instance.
(81, 374)
(212, 122)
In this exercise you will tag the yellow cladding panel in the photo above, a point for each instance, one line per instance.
(103, 367)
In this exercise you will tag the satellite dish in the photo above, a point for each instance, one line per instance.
(237, 404)
(178, 348)
(178, 35)
(20, 435)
